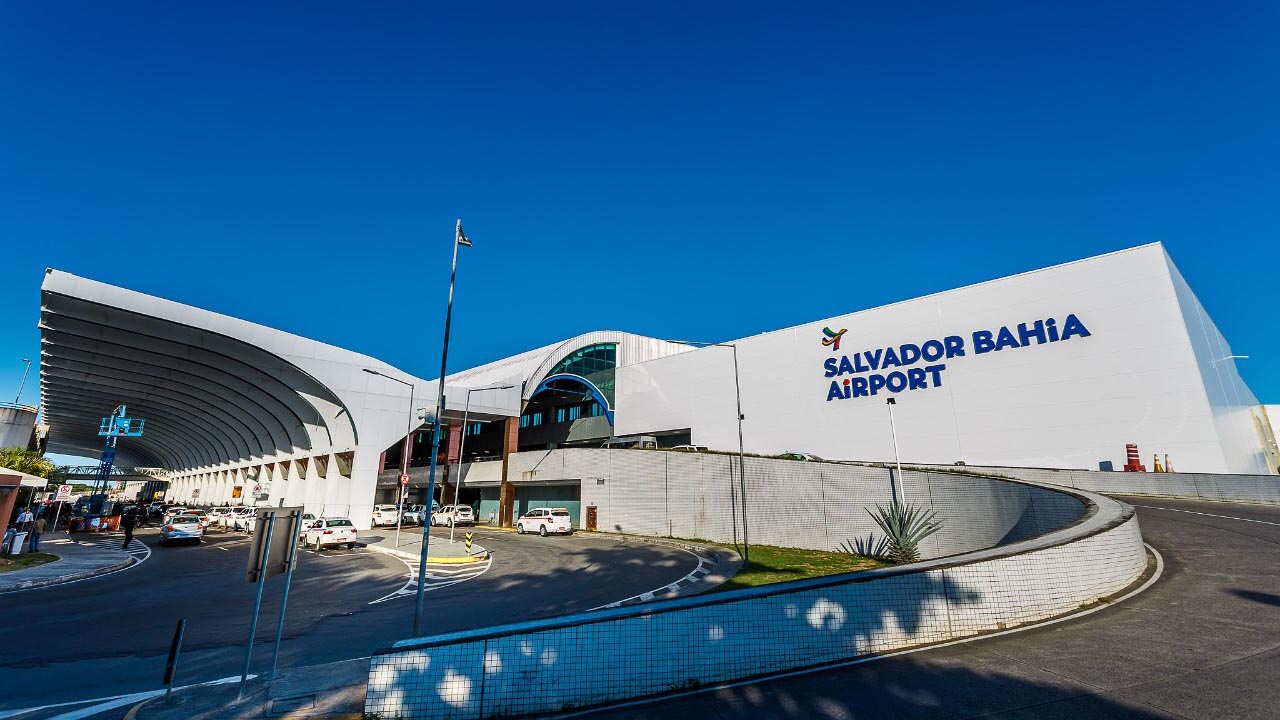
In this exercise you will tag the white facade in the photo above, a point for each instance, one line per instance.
(1143, 364)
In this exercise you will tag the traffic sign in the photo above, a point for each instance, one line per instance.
(64, 494)
(468, 543)
(404, 479)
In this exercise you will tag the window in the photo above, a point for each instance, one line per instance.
(575, 412)
(594, 409)
(473, 429)
(588, 360)
(533, 419)
(560, 415)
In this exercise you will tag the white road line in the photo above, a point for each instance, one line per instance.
(113, 701)
(694, 576)
(862, 661)
(452, 577)
(1192, 512)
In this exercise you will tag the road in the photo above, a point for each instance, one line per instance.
(108, 636)
(1202, 642)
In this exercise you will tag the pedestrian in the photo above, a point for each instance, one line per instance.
(24, 518)
(37, 529)
(127, 523)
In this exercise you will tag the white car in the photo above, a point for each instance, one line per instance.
(217, 514)
(181, 527)
(451, 515)
(327, 532)
(385, 515)
(304, 523)
(174, 511)
(241, 518)
(545, 521)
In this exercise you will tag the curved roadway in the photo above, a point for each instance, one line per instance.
(108, 636)
(1202, 642)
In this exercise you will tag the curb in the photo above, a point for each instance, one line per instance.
(465, 560)
(33, 584)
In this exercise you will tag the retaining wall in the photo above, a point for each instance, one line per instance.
(612, 655)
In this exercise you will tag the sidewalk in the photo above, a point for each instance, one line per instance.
(439, 550)
(79, 557)
(331, 691)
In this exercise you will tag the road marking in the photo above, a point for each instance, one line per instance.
(670, 590)
(862, 661)
(1192, 512)
(438, 577)
(111, 702)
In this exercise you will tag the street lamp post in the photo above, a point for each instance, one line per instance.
(18, 399)
(742, 483)
(402, 481)
(463, 240)
(462, 444)
(893, 430)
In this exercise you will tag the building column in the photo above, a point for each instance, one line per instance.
(507, 492)
(448, 493)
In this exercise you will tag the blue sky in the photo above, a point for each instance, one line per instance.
(681, 170)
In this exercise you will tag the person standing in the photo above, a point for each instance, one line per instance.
(24, 519)
(37, 529)
(126, 522)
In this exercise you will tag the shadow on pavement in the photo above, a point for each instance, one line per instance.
(1258, 597)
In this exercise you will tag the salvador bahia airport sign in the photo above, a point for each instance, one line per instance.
(867, 372)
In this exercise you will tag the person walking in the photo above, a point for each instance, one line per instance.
(37, 529)
(126, 522)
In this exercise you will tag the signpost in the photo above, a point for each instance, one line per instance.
(64, 494)
(468, 543)
(267, 560)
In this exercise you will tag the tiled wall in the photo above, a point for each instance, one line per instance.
(613, 655)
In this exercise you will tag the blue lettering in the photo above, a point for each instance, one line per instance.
(875, 382)
(1073, 326)
(835, 392)
(932, 350)
(1035, 331)
(830, 365)
(1005, 339)
(1053, 329)
(890, 358)
(909, 354)
(873, 359)
(915, 376)
(936, 371)
(857, 364)
(982, 342)
(955, 346)
(846, 388)
(846, 368)
(859, 387)
(896, 382)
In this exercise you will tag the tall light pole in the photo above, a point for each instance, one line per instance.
(24, 381)
(893, 430)
(463, 240)
(742, 483)
(462, 444)
(403, 482)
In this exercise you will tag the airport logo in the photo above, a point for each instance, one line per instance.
(867, 372)
(832, 339)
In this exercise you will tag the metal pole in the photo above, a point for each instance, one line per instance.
(461, 444)
(742, 480)
(171, 668)
(257, 605)
(404, 467)
(893, 429)
(435, 437)
(288, 578)
(18, 399)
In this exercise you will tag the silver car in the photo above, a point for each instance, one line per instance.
(182, 527)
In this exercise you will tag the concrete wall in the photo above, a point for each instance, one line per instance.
(1197, 486)
(821, 506)
(1139, 377)
(614, 655)
(16, 426)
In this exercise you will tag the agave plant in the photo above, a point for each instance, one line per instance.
(905, 527)
(869, 546)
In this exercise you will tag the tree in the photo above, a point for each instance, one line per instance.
(26, 461)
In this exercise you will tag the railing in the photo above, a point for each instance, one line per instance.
(19, 406)
(157, 473)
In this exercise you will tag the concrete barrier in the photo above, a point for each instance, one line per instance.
(612, 655)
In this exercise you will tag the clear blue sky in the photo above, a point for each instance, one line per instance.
(680, 170)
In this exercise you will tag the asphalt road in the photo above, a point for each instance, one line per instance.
(1202, 642)
(109, 636)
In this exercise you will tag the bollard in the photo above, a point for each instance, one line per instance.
(171, 666)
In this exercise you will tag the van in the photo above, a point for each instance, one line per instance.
(642, 442)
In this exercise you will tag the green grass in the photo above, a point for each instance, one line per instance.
(778, 564)
(9, 563)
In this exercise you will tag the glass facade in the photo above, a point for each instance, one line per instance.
(596, 363)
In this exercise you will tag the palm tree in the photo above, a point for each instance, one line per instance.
(26, 461)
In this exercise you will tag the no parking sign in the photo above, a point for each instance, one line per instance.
(64, 494)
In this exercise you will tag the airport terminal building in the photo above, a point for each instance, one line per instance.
(1058, 368)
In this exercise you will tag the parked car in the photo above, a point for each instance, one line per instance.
(545, 521)
(327, 532)
(181, 527)
(305, 523)
(385, 515)
(217, 514)
(417, 514)
(690, 448)
(172, 511)
(241, 518)
(451, 515)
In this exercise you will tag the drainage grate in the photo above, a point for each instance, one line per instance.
(284, 706)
